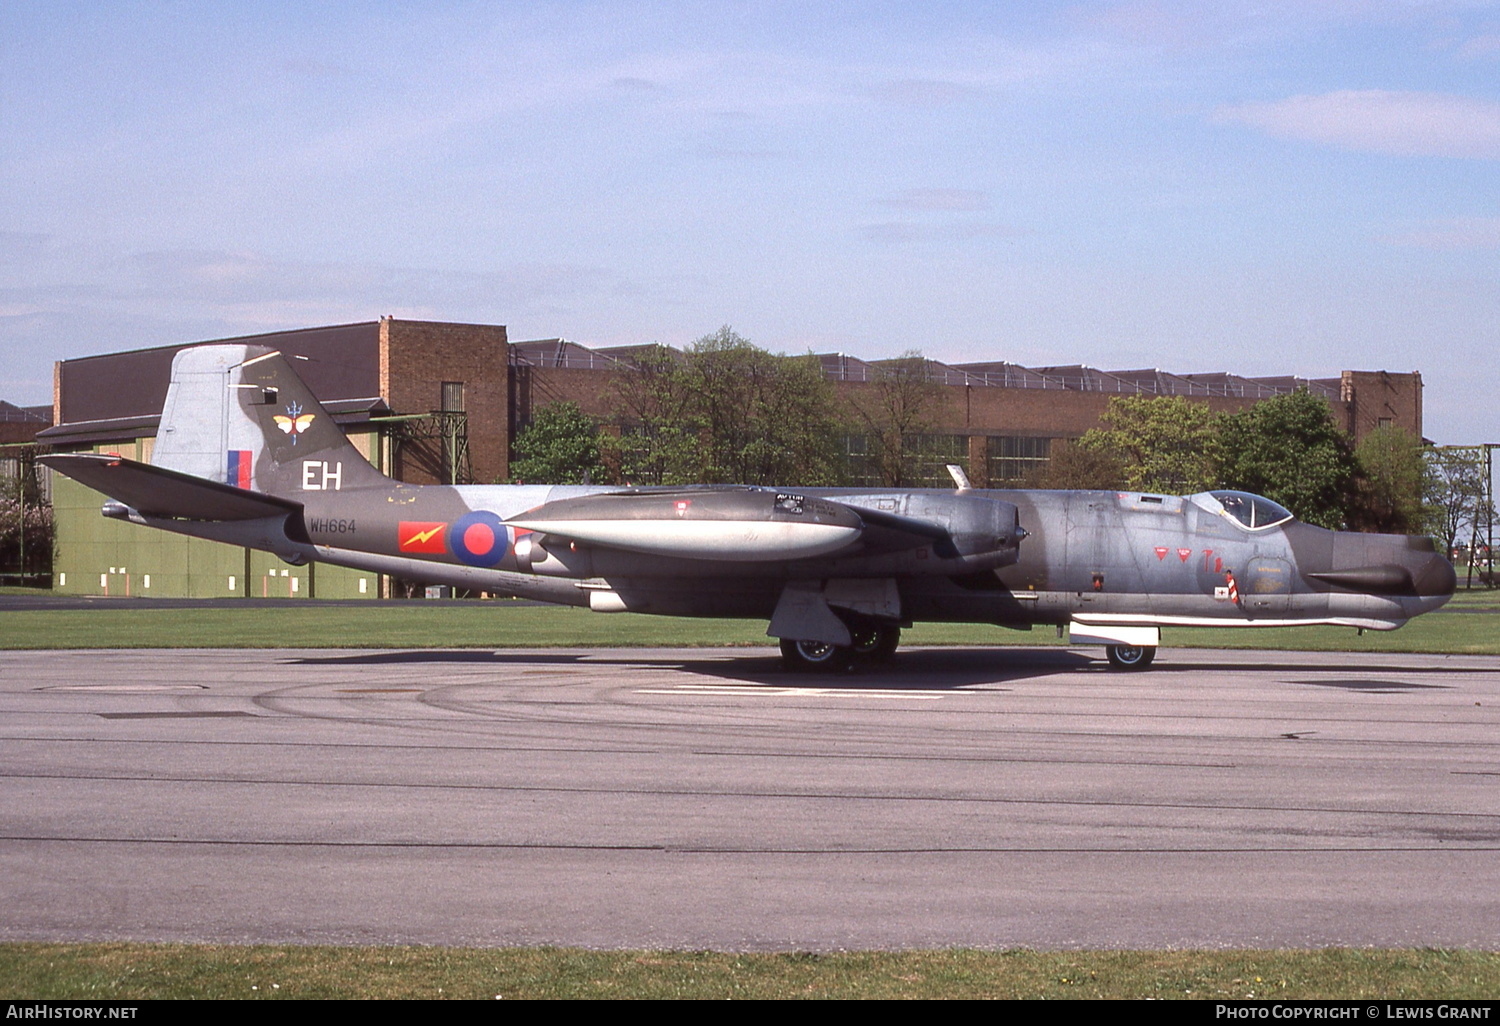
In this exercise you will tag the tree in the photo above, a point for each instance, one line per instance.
(559, 446)
(727, 411)
(26, 528)
(1391, 479)
(1454, 493)
(767, 418)
(1071, 466)
(1288, 449)
(658, 439)
(902, 402)
(1162, 443)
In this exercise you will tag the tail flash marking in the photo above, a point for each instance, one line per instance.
(240, 465)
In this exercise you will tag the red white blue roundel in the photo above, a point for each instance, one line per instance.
(478, 539)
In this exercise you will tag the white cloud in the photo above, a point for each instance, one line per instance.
(1486, 47)
(938, 199)
(1452, 234)
(925, 92)
(246, 291)
(1381, 121)
(963, 231)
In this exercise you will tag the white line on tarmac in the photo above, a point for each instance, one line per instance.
(778, 692)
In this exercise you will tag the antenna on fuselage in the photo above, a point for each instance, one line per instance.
(960, 479)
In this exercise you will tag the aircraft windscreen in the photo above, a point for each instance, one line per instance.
(1253, 511)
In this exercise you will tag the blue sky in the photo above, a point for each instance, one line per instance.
(1269, 188)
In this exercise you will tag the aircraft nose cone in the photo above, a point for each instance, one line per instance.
(1435, 578)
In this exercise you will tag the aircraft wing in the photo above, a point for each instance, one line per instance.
(154, 491)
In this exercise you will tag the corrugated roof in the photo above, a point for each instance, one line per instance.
(1079, 378)
(629, 354)
(1153, 381)
(942, 373)
(1221, 383)
(11, 413)
(999, 374)
(842, 367)
(559, 352)
(1285, 384)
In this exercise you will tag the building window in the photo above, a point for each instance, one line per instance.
(453, 397)
(863, 454)
(1012, 459)
(923, 460)
(930, 456)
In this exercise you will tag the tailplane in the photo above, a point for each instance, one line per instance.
(240, 416)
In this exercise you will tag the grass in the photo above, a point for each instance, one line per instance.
(1470, 624)
(124, 972)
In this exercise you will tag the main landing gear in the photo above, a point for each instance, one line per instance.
(872, 644)
(1130, 657)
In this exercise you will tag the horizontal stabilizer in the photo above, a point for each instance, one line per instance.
(154, 491)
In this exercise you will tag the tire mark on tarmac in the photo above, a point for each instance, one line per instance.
(770, 795)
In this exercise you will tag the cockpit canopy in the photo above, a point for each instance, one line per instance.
(1252, 512)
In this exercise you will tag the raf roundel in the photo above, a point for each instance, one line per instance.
(478, 539)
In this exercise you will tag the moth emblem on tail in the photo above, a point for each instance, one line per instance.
(295, 422)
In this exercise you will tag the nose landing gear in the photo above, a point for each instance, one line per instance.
(815, 656)
(1130, 657)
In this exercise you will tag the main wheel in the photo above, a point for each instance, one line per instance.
(1130, 657)
(815, 656)
(875, 643)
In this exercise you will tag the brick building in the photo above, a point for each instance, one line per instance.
(1000, 419)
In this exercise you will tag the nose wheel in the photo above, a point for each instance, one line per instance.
(1130, 657)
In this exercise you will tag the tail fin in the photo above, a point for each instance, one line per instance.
(239, 415)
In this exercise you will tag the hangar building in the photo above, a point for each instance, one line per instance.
(424, 402)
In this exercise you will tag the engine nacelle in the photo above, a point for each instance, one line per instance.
(975, 525)
(966, 533)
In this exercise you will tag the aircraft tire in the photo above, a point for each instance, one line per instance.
(815, 656)
(1130, 657)
(875, 643)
